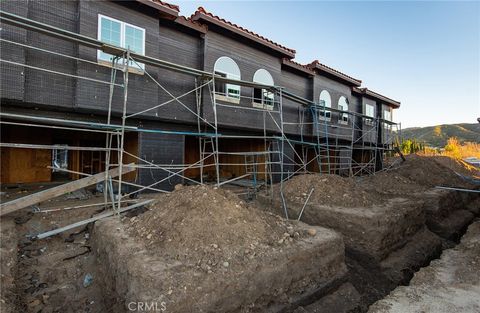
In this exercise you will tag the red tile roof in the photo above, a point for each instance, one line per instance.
(168, 5)
(201, 13)
(165, 9)
(298, 66)
(191, 24)
(317, 65)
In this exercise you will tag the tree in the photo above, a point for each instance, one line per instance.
(452, 147)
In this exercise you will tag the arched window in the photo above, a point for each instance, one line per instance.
(343, 105)
(325, 100)
(226, 67)
(263, 96)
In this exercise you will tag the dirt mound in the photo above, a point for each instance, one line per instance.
(459, 166)
(418, 174)
(390, 183)
(431, 171)
(330, 190)
(208, 227)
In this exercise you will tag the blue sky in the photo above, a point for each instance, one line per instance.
(424, 54)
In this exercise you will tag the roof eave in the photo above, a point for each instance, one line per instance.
(377, 96)
(165, 11)
(297, 67)
(202, 16)
(384, 99)
(352, 81)
(190, 24)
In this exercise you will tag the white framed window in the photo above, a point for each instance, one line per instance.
(370, 113)
(387, 115)
(263, 98)
(120, 34)
(343, 106)
(325, 100)
(226, 67)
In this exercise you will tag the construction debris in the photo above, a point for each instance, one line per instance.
(50, 193)
(90, 220)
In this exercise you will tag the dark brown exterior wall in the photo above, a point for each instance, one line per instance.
(369, 137)
(142, 92)
(301, 85)
(12, 82)
(23, 87)
(164, 40)
(249, 60)
(336, 90)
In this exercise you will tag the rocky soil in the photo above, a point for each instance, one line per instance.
(210, 228)
(332, 190)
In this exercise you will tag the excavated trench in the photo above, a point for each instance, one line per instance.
(459, 211)
(384, 247)
(447, 217)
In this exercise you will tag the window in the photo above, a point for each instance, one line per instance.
(370, 112)
(263, 97)
(120, 34)
(387, 115)
(59, 160)
(226, 67)
(325, 100)
(343, 106)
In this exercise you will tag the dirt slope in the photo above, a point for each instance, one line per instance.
(203, 224)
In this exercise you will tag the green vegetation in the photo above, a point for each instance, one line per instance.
(437, 136)
(408, 146)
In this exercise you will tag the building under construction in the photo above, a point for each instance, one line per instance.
(90, 85)
(103, 100)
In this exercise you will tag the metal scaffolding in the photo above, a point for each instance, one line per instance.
(349, 147)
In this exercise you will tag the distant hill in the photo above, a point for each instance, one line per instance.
(436, 136)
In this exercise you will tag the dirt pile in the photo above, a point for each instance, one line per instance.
(433, 171)
(332, 190)
(418, 174)
(458, 166)
(390, 183)
(203, 249)
(209, 228)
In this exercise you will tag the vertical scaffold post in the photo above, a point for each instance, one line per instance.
(282, 152)
(124, 117)
(198, 94)
(217, 160)
(265, 148)
(326, 137)
(376, 148)
(108, 136)
(352, 140)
